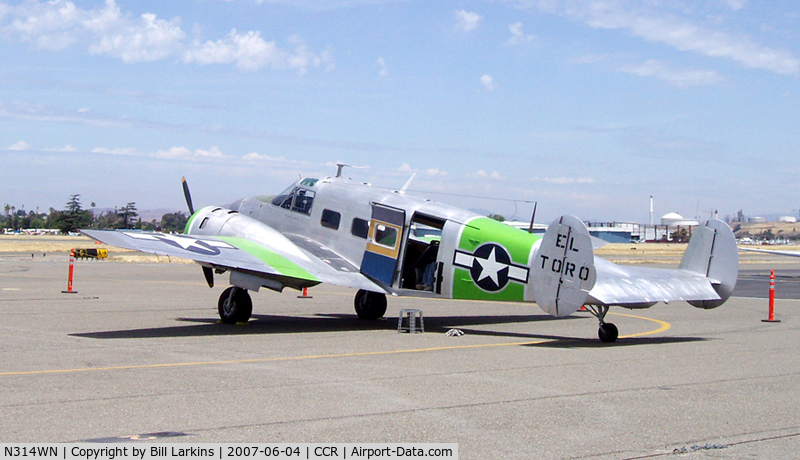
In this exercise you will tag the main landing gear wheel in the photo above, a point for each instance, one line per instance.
(235, 305)
(607, 332)
(370, 305)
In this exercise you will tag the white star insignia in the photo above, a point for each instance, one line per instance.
(490, 267)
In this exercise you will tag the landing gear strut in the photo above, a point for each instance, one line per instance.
(235, 305)
(370, 305)
(607, 332)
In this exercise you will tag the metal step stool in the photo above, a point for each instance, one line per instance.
(411, 322)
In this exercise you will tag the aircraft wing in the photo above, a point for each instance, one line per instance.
(642, 286)
(777, 253)
(280, 262)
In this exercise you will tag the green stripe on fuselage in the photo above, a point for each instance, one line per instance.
(482, 230)
(189, 223)
(280, 263)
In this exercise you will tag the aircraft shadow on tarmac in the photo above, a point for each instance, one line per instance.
(573, 342)
(274, 324)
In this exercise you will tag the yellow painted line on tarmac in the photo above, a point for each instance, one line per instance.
(664, 327)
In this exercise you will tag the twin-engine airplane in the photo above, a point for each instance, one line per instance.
(350, 234)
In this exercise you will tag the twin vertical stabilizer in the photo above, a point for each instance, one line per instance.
(563, 271)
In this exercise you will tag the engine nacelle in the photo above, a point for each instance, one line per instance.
(241, 229)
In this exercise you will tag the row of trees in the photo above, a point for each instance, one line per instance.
(74, 217)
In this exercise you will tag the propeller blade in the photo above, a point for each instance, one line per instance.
(187, 195)
(209, 274)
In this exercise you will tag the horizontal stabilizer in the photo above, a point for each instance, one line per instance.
(706, 276)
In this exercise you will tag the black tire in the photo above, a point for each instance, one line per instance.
(370, 305)
(608, 333)
(238, 310)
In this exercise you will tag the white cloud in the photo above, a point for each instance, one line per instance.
(481, 174)
(488, 82)
(466, 20)
(248, 51)
(142, 40)
(116, 151)
(255, 156)
(682, 78)
(49, 25)
(21, 145)
(58, 24)
(406, 168)
(435, 172)
(655, 22)
(109, 31)
(213, 152)
(183, 152)
(518, 37)
(66, 148)
(383, 71)
(564, 180)
(172, 153)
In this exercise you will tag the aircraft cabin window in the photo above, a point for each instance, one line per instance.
(385, 235)
(330, 219)
(360, 228)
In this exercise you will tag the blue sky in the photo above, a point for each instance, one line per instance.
(586, 106)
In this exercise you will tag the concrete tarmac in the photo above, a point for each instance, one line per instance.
(137, 354)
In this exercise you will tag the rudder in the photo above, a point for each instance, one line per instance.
(563, 271)
(712, 252)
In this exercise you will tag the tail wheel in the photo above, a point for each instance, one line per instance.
(235, 305)
(370, 305)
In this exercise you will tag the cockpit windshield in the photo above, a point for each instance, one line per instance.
(285, 197)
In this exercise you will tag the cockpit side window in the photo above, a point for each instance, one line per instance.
(296, 199)
(303, 199)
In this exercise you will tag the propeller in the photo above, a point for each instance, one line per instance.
(187, 195)
(208, 272)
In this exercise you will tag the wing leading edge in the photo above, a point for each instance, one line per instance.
(277, 261)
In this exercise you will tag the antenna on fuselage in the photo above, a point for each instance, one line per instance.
(533, 217)
(402, 191)
(339, 168)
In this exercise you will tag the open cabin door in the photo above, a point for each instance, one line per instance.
(383, 243)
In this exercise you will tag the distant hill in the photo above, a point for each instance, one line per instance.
(788, 230)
